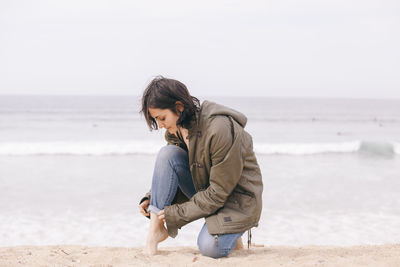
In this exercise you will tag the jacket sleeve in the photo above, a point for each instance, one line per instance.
(225, 172)
(146, 197)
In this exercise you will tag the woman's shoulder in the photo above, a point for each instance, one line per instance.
(216, 126)
(220, 115)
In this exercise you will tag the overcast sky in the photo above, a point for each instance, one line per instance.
(337, 48)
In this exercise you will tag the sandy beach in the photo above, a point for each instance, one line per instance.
(380, 255)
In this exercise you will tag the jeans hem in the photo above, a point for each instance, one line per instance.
(153, 209)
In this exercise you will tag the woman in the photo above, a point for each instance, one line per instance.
(207, 170)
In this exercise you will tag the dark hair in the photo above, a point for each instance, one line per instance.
(163, 93)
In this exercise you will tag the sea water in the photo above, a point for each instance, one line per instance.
(73, 169)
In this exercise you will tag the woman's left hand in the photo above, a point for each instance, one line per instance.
(161, 215)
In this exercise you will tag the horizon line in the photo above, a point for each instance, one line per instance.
(203, 96)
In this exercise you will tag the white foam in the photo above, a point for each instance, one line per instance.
(128, 229)
(307, 148)
(397, 148)
(101, 148)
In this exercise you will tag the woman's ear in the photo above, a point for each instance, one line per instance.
(179, 106)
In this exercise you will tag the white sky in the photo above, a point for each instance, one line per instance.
(337, 48)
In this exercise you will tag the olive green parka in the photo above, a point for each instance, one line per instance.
(225, 174)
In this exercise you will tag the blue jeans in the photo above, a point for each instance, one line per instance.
(172, 170)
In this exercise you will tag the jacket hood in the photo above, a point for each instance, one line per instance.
(210, 109)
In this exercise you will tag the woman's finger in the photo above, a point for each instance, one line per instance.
(143, 211)
(144, 204)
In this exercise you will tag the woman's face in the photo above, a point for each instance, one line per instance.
(165, 118)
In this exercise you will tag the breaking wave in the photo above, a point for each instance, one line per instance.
(150, 148)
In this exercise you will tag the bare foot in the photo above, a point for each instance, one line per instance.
(157, 234)
(239, 244)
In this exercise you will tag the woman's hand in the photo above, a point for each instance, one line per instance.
(161, 215)
(143, 207)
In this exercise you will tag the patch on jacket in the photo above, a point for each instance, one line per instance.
(227, 219)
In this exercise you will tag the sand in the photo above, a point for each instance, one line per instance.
(380, 255)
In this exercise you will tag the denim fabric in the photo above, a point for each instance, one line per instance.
(172, 170)
(222, 247)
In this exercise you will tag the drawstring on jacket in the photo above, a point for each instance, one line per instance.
(248, 238)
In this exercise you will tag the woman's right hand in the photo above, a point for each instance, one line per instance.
(143, 208)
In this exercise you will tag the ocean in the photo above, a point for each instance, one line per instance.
(73, 169)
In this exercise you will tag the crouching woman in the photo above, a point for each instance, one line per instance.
(207, 170)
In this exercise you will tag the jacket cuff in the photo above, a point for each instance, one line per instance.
(143, 199)
(170, 214)
(146, 197)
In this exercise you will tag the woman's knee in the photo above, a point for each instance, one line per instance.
(207, 246)
(170, 151)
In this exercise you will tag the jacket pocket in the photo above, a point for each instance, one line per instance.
(238, 210)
